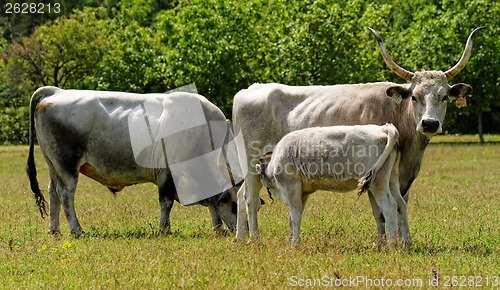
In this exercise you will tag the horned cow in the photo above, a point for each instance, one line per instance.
(264, 113)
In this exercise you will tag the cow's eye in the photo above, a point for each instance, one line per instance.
(413, 98)
(445, 98)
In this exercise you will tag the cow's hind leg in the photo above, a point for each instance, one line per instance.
(55, 207)
(388, 206)
(65, 188)
(379, 219)
(166, 192)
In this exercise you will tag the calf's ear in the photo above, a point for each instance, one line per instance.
(397, 93)
(458, 90)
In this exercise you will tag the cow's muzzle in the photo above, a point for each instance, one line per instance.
(430, 127)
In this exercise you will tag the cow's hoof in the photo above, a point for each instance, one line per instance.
(254, 242)
(77, 234)
(221, 232)
(55, 233)
(165, 232)
(239, 240)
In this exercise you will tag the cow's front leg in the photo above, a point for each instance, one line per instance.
(293, 194)
(165, 208)
(402, 212)
(166, 193)
(252, 199)
(217, 224)
(242, 218)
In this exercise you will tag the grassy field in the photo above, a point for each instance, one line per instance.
(454, 215)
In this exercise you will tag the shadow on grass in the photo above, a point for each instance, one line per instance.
(465, 143)
(150, 231)
(476, 249)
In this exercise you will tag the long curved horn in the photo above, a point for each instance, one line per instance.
(465, 56)
(388, 60)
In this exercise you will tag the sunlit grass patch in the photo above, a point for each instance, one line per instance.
(454, 215)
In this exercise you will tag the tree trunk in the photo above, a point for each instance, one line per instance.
(480, 126)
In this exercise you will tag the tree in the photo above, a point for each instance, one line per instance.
(59, 54)
(134, 60)
(210, 43)
(436, 39)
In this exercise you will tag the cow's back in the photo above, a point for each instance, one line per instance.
(90, 132)
(266, 112)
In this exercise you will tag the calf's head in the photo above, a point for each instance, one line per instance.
(429, 90)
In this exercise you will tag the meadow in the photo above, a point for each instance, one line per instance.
(454, 215)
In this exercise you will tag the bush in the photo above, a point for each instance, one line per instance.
(14, 126)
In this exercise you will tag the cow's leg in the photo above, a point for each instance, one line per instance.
(402, 212)
(166, 193)
(251, 194)
(379, 218)
(304, 201)
(217, 224)
(294, 198)
(388, 206)
(55, 207)
(65, 188)
(242, 217)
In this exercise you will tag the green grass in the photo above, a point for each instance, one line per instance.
(454, 215)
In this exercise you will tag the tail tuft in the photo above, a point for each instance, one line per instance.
(364, 182)
(39, 199)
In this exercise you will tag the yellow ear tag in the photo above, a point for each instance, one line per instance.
(461, 102)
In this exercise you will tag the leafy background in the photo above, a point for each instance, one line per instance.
(222, 46)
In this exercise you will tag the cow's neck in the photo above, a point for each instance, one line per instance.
(413, 144)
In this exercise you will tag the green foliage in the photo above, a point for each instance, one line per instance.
(59, 54)
(14, 125)
(133, 61)
(211, 43)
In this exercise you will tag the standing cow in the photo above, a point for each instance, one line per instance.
(338, 158)
(264, 113)
(110, 137)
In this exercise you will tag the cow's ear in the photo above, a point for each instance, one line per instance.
(398, 93)
(459, 90)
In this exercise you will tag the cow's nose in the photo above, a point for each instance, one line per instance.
(430, 125)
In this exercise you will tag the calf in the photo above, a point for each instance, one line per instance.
(338, 158)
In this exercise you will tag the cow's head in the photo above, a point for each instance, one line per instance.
(226, 205)
(429, 90)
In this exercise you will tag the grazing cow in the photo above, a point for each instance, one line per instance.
(100, 134)
(264, 113)
(337, 158)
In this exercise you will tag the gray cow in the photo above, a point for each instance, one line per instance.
(92, 132)
(264, 113)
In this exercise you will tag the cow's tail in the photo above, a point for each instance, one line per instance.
(30, 165)
(392, 138)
